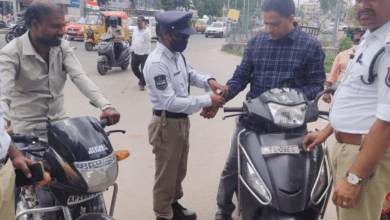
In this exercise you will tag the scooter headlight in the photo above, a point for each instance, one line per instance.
(257, 183)
(288, 116)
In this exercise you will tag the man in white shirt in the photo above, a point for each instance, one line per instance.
(360, 118)
(141, 48)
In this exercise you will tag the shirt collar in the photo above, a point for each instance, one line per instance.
(166, 51)
(380, 33)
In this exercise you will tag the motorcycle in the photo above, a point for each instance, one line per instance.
(277, 179)
(17, 30)
(82, 165)
(106, 58)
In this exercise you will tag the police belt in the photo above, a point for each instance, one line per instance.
(3, 161)
(169, 114)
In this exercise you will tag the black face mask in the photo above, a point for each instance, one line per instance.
(180, 44)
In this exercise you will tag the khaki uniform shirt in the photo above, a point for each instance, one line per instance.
(118, 31)
(32, 91)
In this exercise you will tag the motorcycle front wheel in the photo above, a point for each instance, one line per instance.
(9, 37)
(102, 68)
(88, 46)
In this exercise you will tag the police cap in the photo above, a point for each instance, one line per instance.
(176, 21)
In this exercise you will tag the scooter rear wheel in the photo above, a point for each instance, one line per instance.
(102, 68)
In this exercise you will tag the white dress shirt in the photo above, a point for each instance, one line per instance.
(172, 94)
(356, 105)
(5, 139)
(141, 41)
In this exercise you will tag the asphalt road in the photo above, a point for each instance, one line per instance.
(209, 138)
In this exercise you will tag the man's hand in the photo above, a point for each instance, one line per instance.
(327, 98)
(112, 115)
(345, 194)
(19, 161)
(209, 112)
(224, 90)
(217, 100)
(313, 139)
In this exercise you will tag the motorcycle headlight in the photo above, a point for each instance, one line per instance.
(257, 183)
(288, 116)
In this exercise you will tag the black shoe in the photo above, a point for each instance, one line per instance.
(181, 213)
(222, 216)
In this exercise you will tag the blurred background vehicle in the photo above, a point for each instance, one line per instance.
(76, 30)
(201, 25)
(132, 22)
(216, 29)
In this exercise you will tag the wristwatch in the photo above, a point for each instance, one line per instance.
(353, 179)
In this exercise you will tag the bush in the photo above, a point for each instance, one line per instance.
(328, 62)
(239, 53)
(345, 44)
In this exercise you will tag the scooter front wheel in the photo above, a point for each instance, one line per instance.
(102, 68)
(88, 46)
(125, 66)
(9, 37)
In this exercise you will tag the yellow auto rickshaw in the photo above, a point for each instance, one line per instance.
(98, 23)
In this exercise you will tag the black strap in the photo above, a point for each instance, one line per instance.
(189, 78)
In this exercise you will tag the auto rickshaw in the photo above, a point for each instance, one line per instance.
(98, 23)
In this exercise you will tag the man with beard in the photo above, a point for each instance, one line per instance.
(360, 119)
(34, 68)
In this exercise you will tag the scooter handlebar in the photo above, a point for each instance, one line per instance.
(104, 122)
(233, 109)
(24, 138)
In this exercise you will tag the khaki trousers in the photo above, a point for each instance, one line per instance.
(374, 187)
(170, 140)
(7, 181)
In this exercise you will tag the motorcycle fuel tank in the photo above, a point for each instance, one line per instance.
(79, 139)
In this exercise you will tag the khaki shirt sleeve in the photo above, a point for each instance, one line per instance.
(9, 66)
(80, 78)
(109, 30)
(123, 35)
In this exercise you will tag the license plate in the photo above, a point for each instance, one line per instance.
(289, 149)
(82, 198)
(72, 32)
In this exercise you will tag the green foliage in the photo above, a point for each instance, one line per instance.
(209, 7)
(238, 53)
(194, 20)
(168, 5)
(327, 5)
(328, 62)
(351, 13)
(345, 44)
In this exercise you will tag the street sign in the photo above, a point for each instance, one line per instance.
(74, 3)
(233, 15)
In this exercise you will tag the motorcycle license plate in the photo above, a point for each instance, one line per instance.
(82, 198)
(289, 149)
(72, 32)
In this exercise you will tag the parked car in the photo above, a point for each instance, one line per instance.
(342, 26)
(76, 31)
(201, 25)
(216, 29)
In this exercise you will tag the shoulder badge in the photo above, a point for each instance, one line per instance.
(161, 82)
(387, 80)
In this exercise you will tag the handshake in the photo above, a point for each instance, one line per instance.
(217, 99)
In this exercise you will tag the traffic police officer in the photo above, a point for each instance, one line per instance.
(119, 34)
(361, 156)
(168, 76)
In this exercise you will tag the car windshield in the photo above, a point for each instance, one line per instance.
(81, 21)
(132, 21)
(201, 22)
(216, 25)
(91, 19)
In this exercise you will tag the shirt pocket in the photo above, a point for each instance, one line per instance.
(178, 84)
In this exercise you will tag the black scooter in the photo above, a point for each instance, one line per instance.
(106, 58)
(82, 164)
(277, 179)
(17, 30)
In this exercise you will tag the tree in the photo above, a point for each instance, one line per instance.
(327, 5)
(168, 5)
(209, 7)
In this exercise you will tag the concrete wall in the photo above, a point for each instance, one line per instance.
(73, 11)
